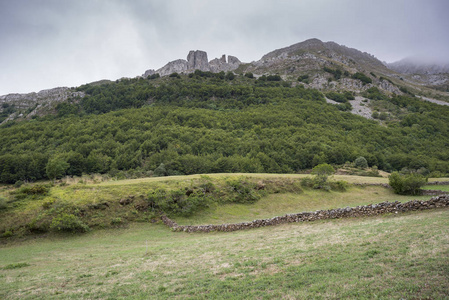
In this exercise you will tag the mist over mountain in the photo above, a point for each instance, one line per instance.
(420, 65)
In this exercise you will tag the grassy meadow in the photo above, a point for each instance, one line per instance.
(395, 256)
(390, 256)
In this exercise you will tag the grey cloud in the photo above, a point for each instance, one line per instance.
(46, 43)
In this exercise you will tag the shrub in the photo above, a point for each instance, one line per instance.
(337, 97)
(243, 191)
(249, 75)
(362, 77)
(322, 173)
(303, 78)
(178, 202)
(3, 203)
(374, 94)
(409, 184)
(383, 116)
(336, 72)
(230, 75)
(339, 185)
(7, 234)
(274, 78)
(174, 75)
(344, 106)
(154, 76)
(361, 162)
(307, 182)
(68, 223)
(35, 191)
(18, 183)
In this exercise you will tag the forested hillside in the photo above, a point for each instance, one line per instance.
(206, 123)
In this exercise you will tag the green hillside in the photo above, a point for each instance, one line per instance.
(213, 123)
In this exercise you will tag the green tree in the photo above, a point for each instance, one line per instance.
(322, 173)
(409, 184)
(360, 162)
(56, 167)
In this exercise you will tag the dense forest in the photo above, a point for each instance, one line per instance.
(208, 123)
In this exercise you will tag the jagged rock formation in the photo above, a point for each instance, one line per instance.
(28, 105)
(197, 60)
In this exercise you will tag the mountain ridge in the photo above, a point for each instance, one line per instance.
(313, 60)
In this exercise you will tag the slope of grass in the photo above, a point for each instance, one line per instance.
(95, 203)
(393, 256)
(286, 203)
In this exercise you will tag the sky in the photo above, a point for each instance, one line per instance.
(50, 43)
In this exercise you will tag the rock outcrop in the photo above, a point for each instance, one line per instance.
(28, 105)
(197, 60)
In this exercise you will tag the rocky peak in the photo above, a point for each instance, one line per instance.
(197, 60)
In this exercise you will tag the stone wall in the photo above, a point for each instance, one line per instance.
(433, 192)
(348, 212)
(438, 183)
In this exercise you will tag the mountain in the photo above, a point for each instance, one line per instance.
(424, 72)
(293, 109)
(326, 66)
(419, 66)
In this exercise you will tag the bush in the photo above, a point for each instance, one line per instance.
(322, 173)
(174, 75)
(35, 191)
(178, 202)
(68, 223)
(3, 203)
(409, 184)
(362, 77)
(242, 191)
(303, 78)
(274, 78)
(339, 185)
(230, 75)
(361, 162)
(374, 94)
(337, 97)
(18, 183)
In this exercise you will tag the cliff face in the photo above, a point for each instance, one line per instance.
(37, 103)
(197, 60)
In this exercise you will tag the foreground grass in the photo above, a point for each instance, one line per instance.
(393, 256)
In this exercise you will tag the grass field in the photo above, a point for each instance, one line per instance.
(444, 188)
(391, 256)
(395, 256)
(286, 203)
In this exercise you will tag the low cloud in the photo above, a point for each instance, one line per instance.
(50, 43)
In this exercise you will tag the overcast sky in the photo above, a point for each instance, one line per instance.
(50, 43)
